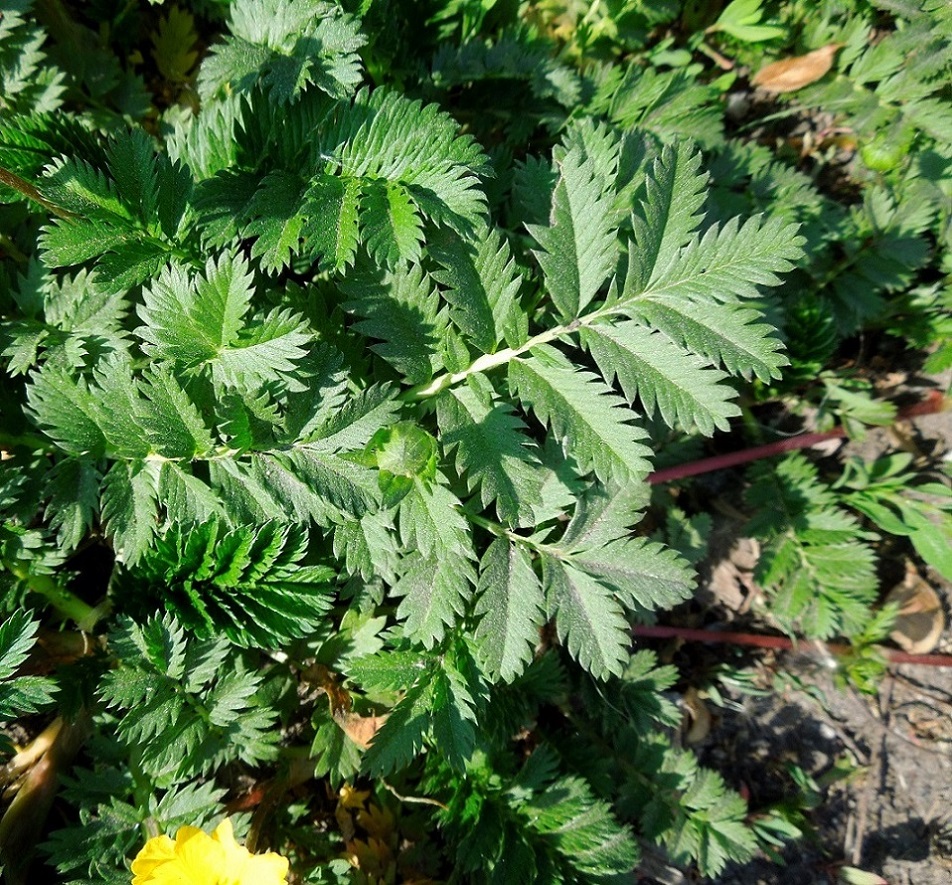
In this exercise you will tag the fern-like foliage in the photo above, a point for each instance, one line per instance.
(380, 167)
(285, 48)
(329, 377)
(530, 826)
(131, 215)
(28, 83)
(196, 703)
(249, 584)
(817, 562)
(688, 809)
(20, 694)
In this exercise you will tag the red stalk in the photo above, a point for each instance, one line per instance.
(783, 643)
(934, 402)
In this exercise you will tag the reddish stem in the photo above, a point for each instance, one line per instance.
(784, 643)
(934, 402)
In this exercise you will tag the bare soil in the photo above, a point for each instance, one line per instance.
(881, 764)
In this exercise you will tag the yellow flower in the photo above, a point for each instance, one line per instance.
(195, 858)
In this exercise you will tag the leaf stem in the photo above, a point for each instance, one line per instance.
(67, 603)
(12, 180)
(491, 360)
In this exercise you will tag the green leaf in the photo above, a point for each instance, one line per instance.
(197, 706)
(401, 310)
(434, 593)
(172, 422)
(400, 738)
(285, 46)
(26, 694)
(190, 320)
(588, 618)
(727, 335)
(510, 605)
(331, 212)
(72, 486)
(644, 574)
(66, 411)
(454, 717)
(674, 195)
(579, 245)
(201, 322)
(668, 378)
(492, 449)
(581, 829)
(128, 506)
(390, 223)
(589, 420)
(249, 584)
(481, 283)
(741, 19)
(276, 220)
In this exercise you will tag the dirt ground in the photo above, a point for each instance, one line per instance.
(881, 764)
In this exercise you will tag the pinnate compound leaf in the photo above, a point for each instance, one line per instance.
(249, 583)
(386, 136)
(202, 322)
(581, 830)
(286, 46)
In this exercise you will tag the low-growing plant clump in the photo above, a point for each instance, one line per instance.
(353, 355)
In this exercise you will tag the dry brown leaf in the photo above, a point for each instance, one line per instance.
(360, 729)
(921, 621)
(791, 74)
(699, 716)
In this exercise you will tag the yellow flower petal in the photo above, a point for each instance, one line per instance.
(195, 858)
(154, 853)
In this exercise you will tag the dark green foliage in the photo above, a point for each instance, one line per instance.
(197, 706)
(20, 694)
(341, 341)
(248, 584)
